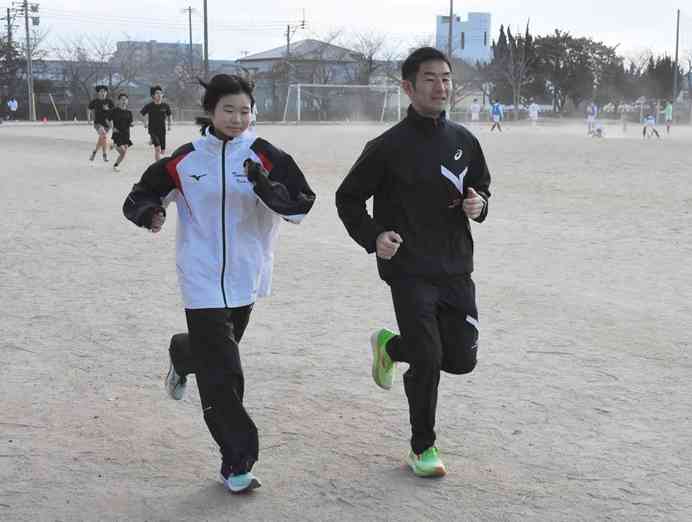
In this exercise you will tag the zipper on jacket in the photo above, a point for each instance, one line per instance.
(223, 221)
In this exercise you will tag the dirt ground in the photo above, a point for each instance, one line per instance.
(579, 408)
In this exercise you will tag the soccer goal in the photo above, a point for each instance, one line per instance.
(307, 102)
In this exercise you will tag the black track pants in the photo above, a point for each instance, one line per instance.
(438, 324)
(210, 350)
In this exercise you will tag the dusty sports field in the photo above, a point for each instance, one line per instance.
(579, 409)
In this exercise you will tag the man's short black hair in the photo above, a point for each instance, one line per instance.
(100, 88)
(412, 64)
(122, 95)
(155, 88)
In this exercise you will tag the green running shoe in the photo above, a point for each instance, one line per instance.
(427, 464)
(382, 365)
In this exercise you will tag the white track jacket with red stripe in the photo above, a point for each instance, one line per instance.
(227, 225)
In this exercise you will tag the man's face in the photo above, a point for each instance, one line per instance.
(102, 94)
(430, 93)
(158, 96)
(123, 102)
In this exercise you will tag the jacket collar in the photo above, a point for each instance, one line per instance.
(426, 123)
(211, 141)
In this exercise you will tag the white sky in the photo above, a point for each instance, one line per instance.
(260, 24)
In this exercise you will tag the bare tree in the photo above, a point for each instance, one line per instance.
(88, 60)
(79, 70)
(421, 40)
(375, 57)
(515, 65)
(318, 60)
(38, 48)
(325, 62)
(639, 58)
(466, 78)
(125, 66)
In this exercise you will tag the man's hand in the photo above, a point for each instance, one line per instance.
(473, 203)
(387, 244)
(157, 221)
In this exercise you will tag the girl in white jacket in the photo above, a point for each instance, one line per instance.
(232, 190)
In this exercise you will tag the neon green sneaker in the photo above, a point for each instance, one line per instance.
(382, 365)
(427, 464)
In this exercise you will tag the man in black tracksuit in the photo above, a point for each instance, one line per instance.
(428, 176)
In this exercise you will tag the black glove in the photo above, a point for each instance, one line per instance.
(256, 173)
(148, 215)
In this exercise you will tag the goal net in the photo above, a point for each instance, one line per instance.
(342, 103)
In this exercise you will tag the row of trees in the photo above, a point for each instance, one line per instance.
(13, 64)
(77, 64)
(559, 68)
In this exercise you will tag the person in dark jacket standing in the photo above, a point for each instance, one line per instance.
(428, 176)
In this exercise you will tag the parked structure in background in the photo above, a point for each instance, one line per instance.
(308, 61)
(471, 39)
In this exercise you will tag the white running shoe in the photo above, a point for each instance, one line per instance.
(175, 384)
(241, 483)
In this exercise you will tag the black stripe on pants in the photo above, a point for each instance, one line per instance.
(438, 325)
(214, 344)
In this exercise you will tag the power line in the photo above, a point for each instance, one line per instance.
(144, 21)
(167, 26)
(154, 23)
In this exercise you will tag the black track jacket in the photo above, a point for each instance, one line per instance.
(417, 172)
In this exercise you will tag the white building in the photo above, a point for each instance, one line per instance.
(471, 40)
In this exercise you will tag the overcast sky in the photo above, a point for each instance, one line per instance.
(257, 25)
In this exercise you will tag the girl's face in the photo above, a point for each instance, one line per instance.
(102, 94)
(123, 102)
(232, 114)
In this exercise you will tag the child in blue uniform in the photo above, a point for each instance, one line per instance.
(497, 115)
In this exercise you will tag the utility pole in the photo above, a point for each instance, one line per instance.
(29, 72)
(288, 41)
(449, 35)
(290, 30)
(206, 41)
(675, 68)
(189, 10)
(9, 27)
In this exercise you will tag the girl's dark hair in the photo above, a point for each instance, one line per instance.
(155, 88)
(100, 88)
(219, 86)
(122, 95)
